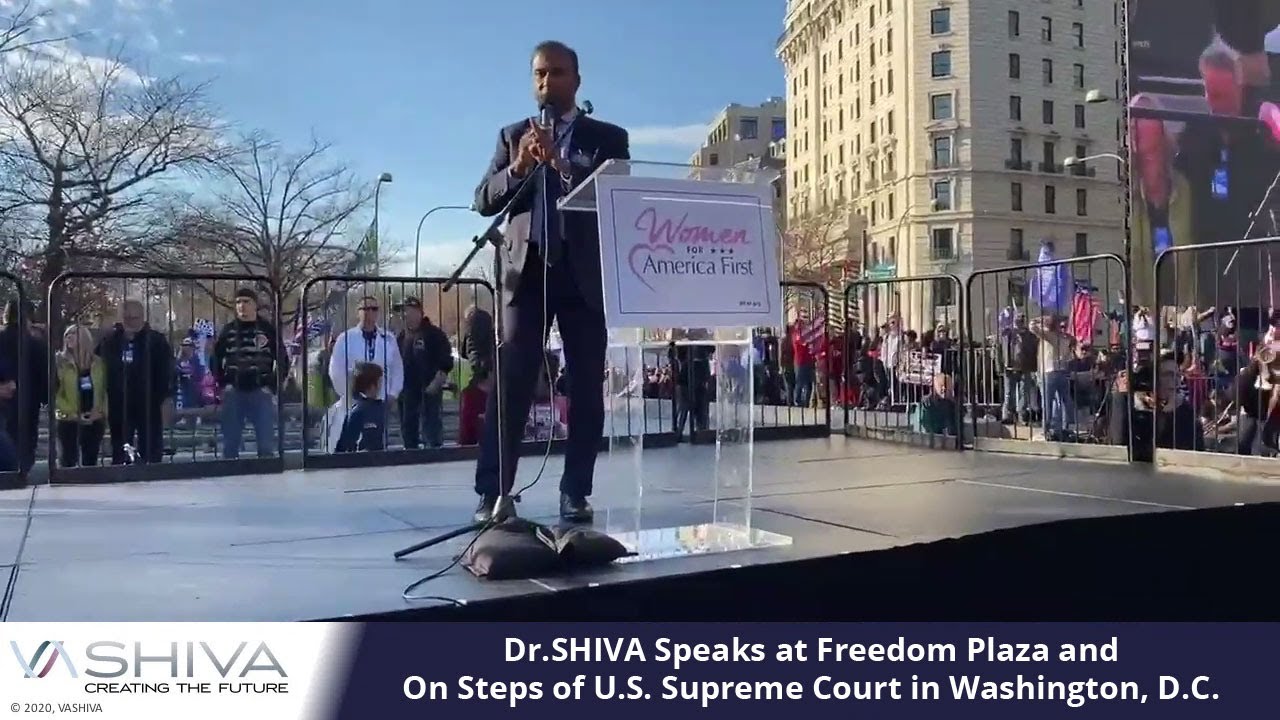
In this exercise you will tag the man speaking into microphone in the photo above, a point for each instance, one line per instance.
(551, 272)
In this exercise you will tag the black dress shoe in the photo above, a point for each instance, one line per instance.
(575, 509)
(484, 511)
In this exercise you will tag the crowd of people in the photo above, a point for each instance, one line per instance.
(120, 388)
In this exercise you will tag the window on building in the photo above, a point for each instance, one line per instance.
(1046, 29)
(873, 128)
(940, 107)
(1046, 71)
(942, 195)
(713, 159)
(1082, 244)
(857, 70)
(749, 128)
(1017, 246)
(940, 21)
(1082, 202)
(871, 18)
(1015, 197)
(1015, 66)
(1046, 111)
(942, 243)
(888, 81)
(941, 63)
(1077, 33)
(1080, 116)
(942, 152)
(1050, 200)
(1015, 107)
(888, 123)
(1015, 24)
(1015, 150)
(778, 129)
(888, 41)
(1050, 158)
(1077, 76)
(943, 291)
(891, 213)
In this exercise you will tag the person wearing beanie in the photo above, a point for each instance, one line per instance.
(249, 363)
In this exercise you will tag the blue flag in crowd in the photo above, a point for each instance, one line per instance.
(1050, 286)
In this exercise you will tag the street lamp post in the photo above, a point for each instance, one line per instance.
(417, 237)
(377, 230)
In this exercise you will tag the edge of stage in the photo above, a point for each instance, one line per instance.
(879, 531)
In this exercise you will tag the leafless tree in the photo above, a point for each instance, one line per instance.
(815, 246)
(288, 216)
(85, 145)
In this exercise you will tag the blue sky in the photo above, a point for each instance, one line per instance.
(419, 88)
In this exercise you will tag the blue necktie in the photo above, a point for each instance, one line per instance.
(546, 218)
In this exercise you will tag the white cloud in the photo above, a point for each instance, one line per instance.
(683, 136)
(199, 59)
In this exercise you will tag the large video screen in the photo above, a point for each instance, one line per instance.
(1204, 86)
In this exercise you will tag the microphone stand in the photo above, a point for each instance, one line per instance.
(504, 508)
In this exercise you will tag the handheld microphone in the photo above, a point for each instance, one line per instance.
(587, 107)
(545, 118)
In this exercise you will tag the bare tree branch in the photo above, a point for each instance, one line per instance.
(20, 28)
(85, 147)
(284, 215)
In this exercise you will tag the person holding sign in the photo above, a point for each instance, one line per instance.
(551, 271)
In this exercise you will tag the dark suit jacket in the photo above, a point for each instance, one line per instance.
(599, 141)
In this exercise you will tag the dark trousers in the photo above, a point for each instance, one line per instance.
(585, 339)
(23, 432)
(79, 443)
(140, 427)
(8, 454)
(420, 418)
(693, 406)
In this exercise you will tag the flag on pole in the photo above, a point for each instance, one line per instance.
(367, 253)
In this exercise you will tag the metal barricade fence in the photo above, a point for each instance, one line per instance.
(1216, 369)
(163, 376)
(905, 365)
(447, 413)
(794, 391)
(421, 356)
(1045, 346)
(19, 396)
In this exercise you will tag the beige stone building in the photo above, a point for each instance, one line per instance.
(942, 127)
(742, 132)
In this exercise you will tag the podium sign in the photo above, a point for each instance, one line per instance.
(687, 253)
(682, 247)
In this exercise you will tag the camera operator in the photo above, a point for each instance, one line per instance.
(1159, 412)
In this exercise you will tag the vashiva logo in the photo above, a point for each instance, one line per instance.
(187, 660)
(55, 652)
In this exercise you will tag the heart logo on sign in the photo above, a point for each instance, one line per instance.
(643, 252)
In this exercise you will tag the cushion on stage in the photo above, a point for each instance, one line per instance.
(510, 550)
(582, 547)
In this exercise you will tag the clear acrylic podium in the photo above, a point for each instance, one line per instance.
(659, 498)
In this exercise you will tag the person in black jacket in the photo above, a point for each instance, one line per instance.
(20, 413)
(428, 360)
(364, 428)
(249, 360)
(139, 383)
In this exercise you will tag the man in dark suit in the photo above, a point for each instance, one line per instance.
(551, 271)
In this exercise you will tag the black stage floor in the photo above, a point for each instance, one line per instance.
(318, 544)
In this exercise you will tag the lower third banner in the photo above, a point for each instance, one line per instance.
(326, 671)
